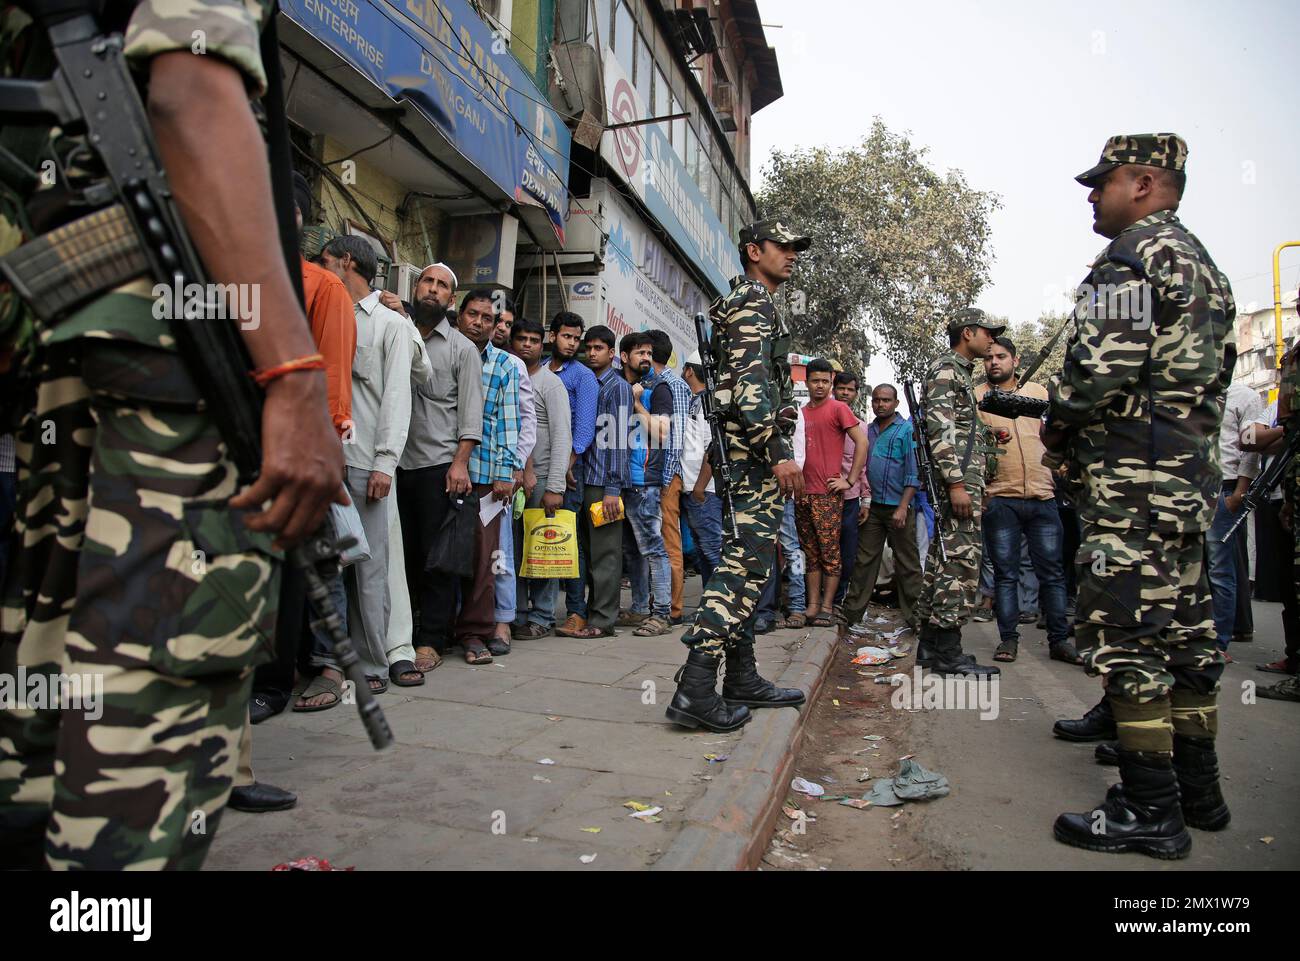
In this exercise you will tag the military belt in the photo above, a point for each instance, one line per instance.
(72, 264)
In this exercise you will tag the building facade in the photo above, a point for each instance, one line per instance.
(1257, 346)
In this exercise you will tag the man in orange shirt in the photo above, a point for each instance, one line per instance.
(333, 324)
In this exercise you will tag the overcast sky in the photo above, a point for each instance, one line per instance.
(1021, 96)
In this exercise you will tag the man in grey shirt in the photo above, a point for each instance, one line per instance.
(446, 424)
(1229, 571)
(381, 416)
(546, 471)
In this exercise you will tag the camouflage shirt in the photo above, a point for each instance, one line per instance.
(953, 422)
(1142, 387)
(229, 29)
(751, 346)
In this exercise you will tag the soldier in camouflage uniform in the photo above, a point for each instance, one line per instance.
(963, 451)
(756, 396)
(1135, 413)
(137, 568)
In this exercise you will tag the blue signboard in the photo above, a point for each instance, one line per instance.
(441, 57)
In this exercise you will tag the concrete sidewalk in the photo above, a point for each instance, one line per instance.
(463, 787)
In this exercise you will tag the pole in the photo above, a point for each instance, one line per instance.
(1277, 298)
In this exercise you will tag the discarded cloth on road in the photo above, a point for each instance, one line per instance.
(913, 783)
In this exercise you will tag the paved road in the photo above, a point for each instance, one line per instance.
(1010, 777)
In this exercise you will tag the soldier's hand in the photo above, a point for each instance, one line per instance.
(392, 301)
(960, 500)
(789, 478)
(302, 461)
(1052, 438)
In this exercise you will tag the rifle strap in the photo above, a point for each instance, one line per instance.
(1044, 353)
(277, 135)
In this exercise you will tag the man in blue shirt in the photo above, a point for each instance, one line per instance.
(604, 472)
(891, 475)
(580, 382)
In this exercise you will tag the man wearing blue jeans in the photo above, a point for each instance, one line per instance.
(703, 506)
(647, 438)
(1241, 407)
(766, 613)
(1021, 505)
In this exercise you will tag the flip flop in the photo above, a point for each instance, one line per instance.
(433, 659)
(796, 621)
(383, 683)
(476, 653)
(398, 668)
(320, 684)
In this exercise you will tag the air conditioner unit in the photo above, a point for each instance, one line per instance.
(575, 90)
(402, 279)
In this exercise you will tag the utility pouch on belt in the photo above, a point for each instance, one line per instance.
(66, 267)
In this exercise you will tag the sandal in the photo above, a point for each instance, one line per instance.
(823, 620)
(476, 653)
(796, 621)
(652, 627)
(591, 631)
(375, 679)
(1279, 666)
(498, 646)
(1007, 651)
(1066, 652)
(398, 671)
(631, 619)
(426, 659)
(320, 684)
(572, 627)
(530, 632)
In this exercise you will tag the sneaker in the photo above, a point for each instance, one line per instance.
(982, 614)
(1027, 617)
(1288, 690)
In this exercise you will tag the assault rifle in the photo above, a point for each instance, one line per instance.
(925, 465)
(137, 230)
(1005, 403)
(1263, 485)
(714, 417)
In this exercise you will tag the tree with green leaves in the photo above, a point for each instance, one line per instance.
(897, 248)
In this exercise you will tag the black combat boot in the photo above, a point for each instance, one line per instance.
(696, 703)
(925, 646)
(1144, 816)
(1097, 725)
(949, 659)
(1107, 753)
(742, 683)
(1197, 767)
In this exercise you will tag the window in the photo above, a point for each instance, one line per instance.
(644, 71)
(679, 129)
(692, 158)
(602, 22)
(624, 35)
(663, 99)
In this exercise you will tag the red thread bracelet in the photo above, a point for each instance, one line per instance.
(268, 374)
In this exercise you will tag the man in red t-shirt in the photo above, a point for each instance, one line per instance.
(818, 510)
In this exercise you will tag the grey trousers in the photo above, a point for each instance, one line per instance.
(369, 600)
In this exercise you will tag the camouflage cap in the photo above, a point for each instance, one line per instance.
(1167, 150)
(974, 317)
(773, 229)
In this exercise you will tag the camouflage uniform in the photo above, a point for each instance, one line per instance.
(750, 345)
(963, 449)
(129, 565)
(1141, 396)
(1288, 689)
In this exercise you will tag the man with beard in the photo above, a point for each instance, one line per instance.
(446, 426)
(1020, 503)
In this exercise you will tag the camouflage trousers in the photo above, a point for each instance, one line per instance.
(727, 607)
(948, 590)
(132, 578)
(1146, 625)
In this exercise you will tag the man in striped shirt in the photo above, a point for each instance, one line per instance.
(492, 466)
